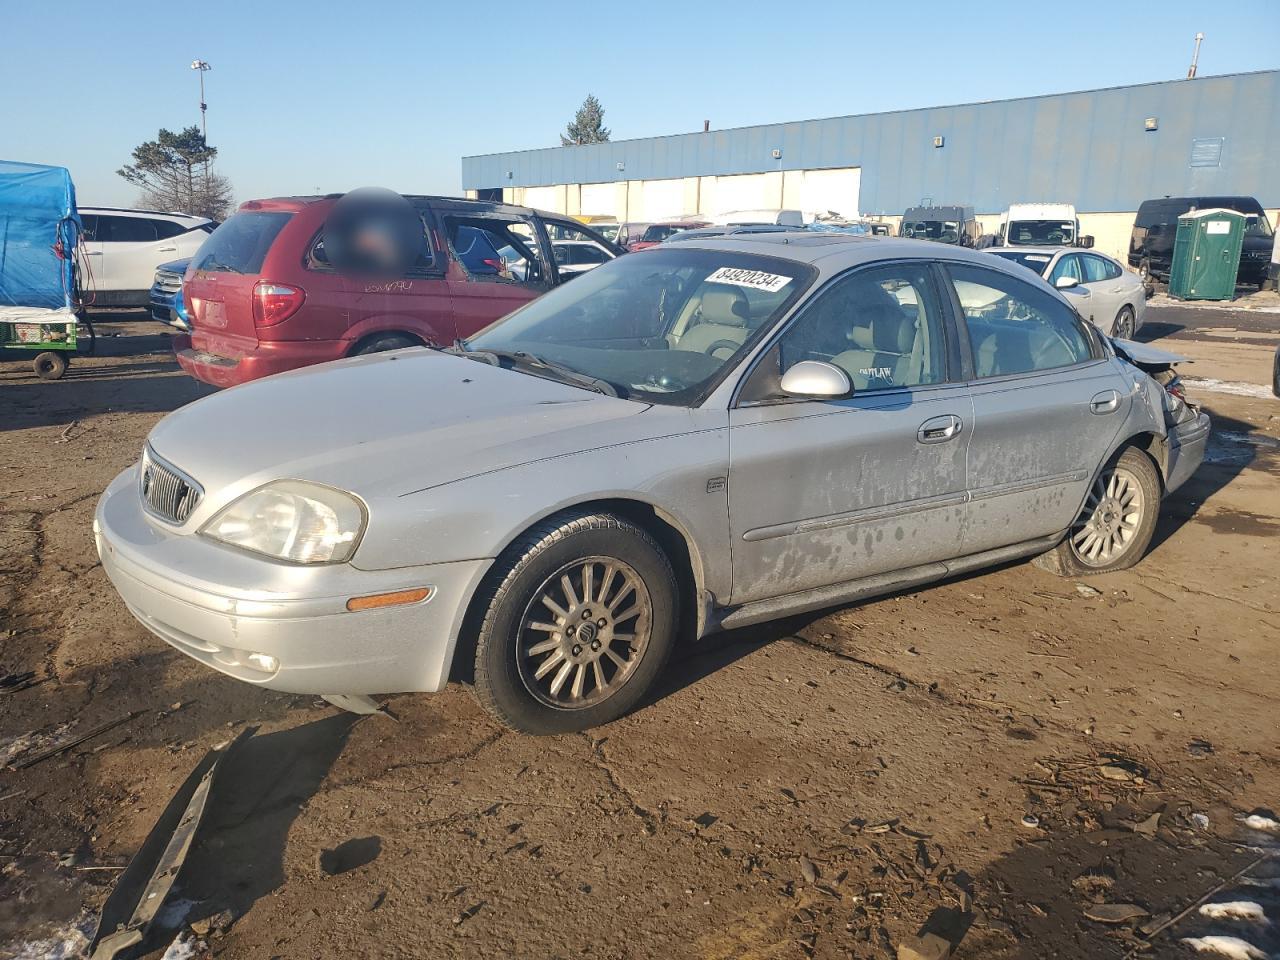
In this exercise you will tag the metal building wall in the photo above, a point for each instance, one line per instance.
(1088, 148)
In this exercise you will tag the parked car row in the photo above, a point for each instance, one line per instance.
(1057, 225)
(640, 456)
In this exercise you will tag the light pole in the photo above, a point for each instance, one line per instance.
(203, 66)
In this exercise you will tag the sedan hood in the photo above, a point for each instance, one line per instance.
(381, 425)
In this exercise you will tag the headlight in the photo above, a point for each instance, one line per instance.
(292, 520)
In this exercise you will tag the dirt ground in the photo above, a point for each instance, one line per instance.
(982, 759)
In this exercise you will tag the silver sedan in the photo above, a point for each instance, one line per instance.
(713, 434)
(1103, 291)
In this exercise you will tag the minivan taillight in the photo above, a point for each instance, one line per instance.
(275, 302)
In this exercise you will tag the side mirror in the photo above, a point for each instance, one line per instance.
(816, 380)
(1086, 242)
(1066, 283)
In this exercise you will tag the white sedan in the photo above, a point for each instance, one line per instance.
(1110, 296)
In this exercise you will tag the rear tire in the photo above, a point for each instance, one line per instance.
(580, 618)
(1116, 523)
(380, 343)
(1123, 326)
(49, 365)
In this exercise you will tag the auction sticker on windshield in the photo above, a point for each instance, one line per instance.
(755, 279)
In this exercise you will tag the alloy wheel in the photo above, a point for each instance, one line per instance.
(1111, 518)
(584, 633)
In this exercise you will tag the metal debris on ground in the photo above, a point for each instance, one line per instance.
(1115, 912)
(357, 703)
(118, 931)
(62, 746)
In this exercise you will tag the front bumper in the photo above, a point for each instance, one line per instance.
(218, 605)
(1186, 445)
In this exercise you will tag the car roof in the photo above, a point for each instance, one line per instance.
(836, 251)
(439, 203)
(948, 211)
(132, 211)
(1048, 251)
(1032, 248)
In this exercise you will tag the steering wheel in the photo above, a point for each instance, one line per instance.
(711, 350)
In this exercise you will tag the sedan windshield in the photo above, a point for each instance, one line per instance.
(948, 231)
(1256, 225)
(662, 327)
(1038, 262)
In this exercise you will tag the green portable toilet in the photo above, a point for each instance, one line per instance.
(1206, 255)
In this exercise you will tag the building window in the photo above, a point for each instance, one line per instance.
(1207, 151)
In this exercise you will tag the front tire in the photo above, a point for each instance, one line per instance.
(1117, 522)
(581, 618)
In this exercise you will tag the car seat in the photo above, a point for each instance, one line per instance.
(719, 326)
(886, 344)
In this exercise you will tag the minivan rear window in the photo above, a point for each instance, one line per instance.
(241, 243)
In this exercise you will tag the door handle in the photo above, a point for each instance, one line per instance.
(167, 250)
(940, 429)
(1105, 402)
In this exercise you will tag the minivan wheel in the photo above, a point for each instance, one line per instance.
(383, 342)
(1123, 329)
(1115, 527)
(580, 621)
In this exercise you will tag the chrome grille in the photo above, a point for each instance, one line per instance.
(168, 282)
(167, 492)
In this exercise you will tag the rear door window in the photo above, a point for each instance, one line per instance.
(1096, 269)
(241, 243)
(167, 228)
(1015, 327)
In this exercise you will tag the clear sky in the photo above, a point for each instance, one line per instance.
(328, 96)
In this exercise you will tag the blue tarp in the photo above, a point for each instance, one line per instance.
(39, 230)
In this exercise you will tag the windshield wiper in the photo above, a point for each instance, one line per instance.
(532, 362)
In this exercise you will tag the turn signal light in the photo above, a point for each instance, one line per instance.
(275, 302)
(397, 598)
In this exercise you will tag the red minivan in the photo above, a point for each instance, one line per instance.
(262, 297)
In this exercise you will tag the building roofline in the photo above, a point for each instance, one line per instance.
(877, 113)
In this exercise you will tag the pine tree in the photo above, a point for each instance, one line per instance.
(587, 126)
(173, 174)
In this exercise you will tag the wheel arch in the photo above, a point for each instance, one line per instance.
(670, 533)
(359, 344)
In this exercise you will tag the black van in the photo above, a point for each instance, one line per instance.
(953, 224)
(1156, 225)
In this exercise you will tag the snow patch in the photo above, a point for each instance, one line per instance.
(1256, 821)
(66, 943)
(174, 912)
(1232, 947)
(185, 947)
(1235, 387)
(1234, 910)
